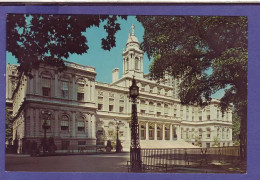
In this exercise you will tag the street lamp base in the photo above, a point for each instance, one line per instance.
(135, 157)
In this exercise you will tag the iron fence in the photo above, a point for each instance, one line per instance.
(154, 159)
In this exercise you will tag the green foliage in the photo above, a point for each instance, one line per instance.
(208, 53)
(8, 125)
(51, 38)
(236, 128)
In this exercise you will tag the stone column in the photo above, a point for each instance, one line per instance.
(162, 109)
(93, 91)
(155, 131)
(37, 122)
(89, 125)
(57, 123)
(163, 132)
(178, 131)
(36, 82)
(146, 131)
(93, 128)
(171, 132)
(32, 120)
(73, 124)
(74, 93)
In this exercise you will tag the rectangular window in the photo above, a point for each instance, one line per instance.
(100, 103)
(81, 126)
(111, 107)
(142, 111)
(158, 113)
(80, 92)
(100, 106)
(65, 89)
(46, 86)
(121, 109)
(111, 104)
(208, 145)
(208, 114)
(80, 96)
(64, 125)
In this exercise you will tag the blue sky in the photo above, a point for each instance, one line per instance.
(106, 61)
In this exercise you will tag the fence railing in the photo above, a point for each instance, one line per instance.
(166, 158)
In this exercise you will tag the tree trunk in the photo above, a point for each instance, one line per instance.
(243, 138)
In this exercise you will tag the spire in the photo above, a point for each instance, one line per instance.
(133, 30)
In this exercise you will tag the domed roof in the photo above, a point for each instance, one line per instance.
(132, 38)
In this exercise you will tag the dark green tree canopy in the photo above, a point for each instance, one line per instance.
(51, 38)
(207, 53)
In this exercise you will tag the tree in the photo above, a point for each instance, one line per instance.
(236, 128)
(8, 126)
(37, 38)
(207, 53)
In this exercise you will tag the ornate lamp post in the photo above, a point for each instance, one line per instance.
(118, 144)
(45, 127)
(135, 149)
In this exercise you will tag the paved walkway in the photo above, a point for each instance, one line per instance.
(114, 162)
(72, 163)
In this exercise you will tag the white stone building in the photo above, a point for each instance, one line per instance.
(84, 111)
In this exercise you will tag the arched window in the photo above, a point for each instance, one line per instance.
(159, 133)
(151, 133)
(142, 132)
(227, 135)
(174, 133)
(223, 133)
(64, 123)
(218, 133)
(81, 124)
(167, 133)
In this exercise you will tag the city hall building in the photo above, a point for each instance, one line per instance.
(83, 111)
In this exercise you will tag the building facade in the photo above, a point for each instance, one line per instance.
(84, 111)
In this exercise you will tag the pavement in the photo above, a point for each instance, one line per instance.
(115, 162)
